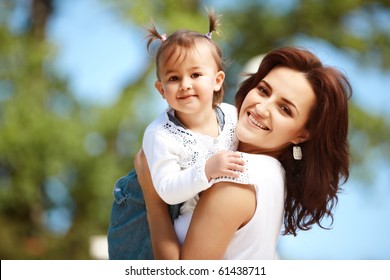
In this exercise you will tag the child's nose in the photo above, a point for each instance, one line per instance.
(185, 85)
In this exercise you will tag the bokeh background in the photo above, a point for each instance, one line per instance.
(76, 92)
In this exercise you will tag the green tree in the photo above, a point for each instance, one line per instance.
(57, 161)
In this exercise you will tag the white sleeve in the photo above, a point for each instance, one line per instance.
(172, 184)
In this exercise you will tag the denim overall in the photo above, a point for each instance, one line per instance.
(128, 234)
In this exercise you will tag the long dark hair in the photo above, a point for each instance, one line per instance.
(313, 182)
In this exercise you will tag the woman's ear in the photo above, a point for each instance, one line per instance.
(304, 136)
(158, 85)
(219, 78)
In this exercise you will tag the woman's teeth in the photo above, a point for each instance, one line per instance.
(256, 123)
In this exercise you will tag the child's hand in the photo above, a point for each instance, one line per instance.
(224, 163)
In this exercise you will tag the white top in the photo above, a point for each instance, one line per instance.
(177, 156)
(258, 238)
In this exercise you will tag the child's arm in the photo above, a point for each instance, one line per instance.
(174, 184)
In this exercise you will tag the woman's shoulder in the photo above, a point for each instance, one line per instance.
(265, 171)
(258, 169)
(262, 163)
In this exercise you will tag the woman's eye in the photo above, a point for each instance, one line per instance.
(286, 109)
(263, 90)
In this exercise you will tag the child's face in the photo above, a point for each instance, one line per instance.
(189, 78)
(274, 114)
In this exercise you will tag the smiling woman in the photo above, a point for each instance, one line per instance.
(279, 106)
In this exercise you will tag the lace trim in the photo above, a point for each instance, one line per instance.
(192, 150)
(218, 111)
(199, 170)
(244, 176)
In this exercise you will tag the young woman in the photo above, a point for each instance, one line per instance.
(292, 131)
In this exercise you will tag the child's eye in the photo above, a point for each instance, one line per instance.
(195, 75)
(173, 78)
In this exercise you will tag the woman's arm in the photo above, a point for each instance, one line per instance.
(220, 212)
(162, 234)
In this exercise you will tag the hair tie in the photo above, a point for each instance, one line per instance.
(208, 34)
(163, 37)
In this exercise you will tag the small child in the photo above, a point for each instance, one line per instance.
(193, 141)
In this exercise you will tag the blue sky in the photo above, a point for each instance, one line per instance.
(100, 54)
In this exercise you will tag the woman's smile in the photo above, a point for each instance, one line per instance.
(256, 122)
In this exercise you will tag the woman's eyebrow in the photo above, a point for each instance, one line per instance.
(267, 84)
(291, 104)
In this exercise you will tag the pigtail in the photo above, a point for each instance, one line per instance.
(153, 35)
(214, 23)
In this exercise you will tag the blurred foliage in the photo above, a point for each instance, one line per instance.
(59, 159)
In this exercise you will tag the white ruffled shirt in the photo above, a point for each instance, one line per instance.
(176, 156)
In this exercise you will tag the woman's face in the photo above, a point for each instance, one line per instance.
(274, 114)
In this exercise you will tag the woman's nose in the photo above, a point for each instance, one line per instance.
(263, 109)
